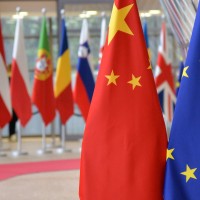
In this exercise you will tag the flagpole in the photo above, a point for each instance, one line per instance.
(2, 154)
(19, 151)
(62, 149)
(44, 149)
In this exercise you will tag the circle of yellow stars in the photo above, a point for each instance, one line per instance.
(188, 173)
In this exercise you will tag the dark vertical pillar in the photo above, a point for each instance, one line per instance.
(60, 5)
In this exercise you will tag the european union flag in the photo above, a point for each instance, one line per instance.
(182, 181)
(178, 83)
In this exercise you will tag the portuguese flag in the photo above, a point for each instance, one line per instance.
(43, 95)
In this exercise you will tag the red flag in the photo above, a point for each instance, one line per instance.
(20, 88)
(43, 96)
(124, 145)
(5, 103)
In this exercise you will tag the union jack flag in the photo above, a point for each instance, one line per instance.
(164, 78)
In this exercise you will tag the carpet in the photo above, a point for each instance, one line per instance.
(12, 170)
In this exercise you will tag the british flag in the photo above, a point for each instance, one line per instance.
(164, 78)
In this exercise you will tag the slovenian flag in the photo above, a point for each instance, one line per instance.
(63, 90)
(20, 84)
(5, 103)
(84, 85)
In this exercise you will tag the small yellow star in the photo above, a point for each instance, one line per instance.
(112, 78)
(169, 154)
(135, 82)
(185, 72)
(117, 21)
(189, 173)
(177, 84)
(149, 67)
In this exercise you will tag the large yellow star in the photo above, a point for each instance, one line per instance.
(135, 81)
(112, 78)
(169, 154)
(117, 21)
(185, 72)
(189, 173)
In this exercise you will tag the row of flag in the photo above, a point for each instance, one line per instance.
(44, 96)
(125, 152)
(62, 97)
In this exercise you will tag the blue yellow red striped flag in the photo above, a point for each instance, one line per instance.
(62, 89)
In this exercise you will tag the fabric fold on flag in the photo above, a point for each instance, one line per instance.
(5, 101)
(20, 83)
(63, 90)
(182, 180)
(84, 85)
(164, 78)
(124, 144)
(43, 94)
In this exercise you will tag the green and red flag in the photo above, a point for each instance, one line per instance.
(124, 145)
(43, 95)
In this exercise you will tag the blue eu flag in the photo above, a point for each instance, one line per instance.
(178, 83)
(182, 181)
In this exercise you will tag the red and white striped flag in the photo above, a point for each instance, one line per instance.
(20, 85)
(102, 38)
(5, 103)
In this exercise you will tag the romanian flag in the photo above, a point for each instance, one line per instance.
(182, 179)
(5, 102)
(124, 145)
(20, 83)
(43, 95)
(164, 78)
(63, 91)
(84, 85)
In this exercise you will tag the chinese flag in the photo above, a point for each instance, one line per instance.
(124, 145)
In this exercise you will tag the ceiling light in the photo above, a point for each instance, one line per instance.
(84, 15)
(20, 15)
(155, 12)
(147, 14)
(91, 12)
